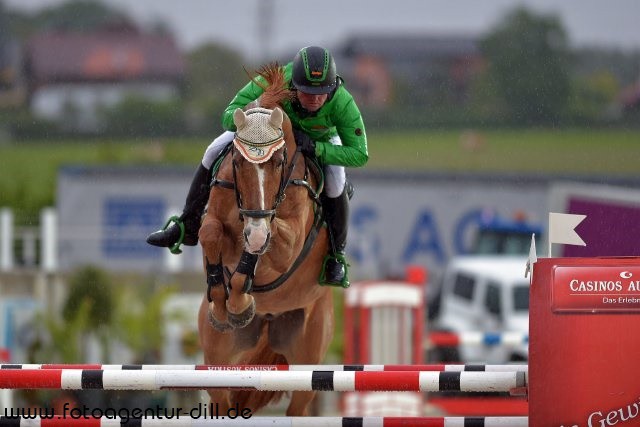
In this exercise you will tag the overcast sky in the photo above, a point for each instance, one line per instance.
(242, 23)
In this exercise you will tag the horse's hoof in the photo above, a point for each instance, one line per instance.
(243, 319)
(217, 325)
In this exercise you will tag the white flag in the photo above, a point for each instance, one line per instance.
(533, 257)
(562, 228)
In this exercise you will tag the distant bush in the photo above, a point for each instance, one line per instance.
(136, 117)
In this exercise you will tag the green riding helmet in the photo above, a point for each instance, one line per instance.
(314, 71)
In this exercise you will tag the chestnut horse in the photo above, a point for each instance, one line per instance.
(263, 248)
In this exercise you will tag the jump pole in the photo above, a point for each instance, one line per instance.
(273, 422)
(489, 339)
(369, 368)
(81, 379)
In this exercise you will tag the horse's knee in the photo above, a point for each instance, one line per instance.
(210, 232)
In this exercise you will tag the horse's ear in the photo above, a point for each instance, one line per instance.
(239, 118)
(276, 118)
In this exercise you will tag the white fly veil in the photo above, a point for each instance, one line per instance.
(259, 133)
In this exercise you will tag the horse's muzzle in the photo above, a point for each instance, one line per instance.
(257, 237)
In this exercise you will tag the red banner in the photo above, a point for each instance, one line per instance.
(595, 289)
(584, 331)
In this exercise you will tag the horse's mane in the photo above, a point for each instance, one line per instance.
(275, 90)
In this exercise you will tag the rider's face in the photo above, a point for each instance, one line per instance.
(311, 102)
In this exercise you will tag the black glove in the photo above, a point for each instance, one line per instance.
(306, 144)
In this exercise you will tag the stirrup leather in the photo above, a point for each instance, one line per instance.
(339, 257)
(175, 249)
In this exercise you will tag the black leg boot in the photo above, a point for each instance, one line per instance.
(197, 198)
(337, 218)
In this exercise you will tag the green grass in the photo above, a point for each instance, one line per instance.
(28, 169)
(596, 152)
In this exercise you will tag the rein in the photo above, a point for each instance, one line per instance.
(216, 275)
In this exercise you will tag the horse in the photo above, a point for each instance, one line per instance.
(263, 246)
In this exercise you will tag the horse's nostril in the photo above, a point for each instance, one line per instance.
(246, 233)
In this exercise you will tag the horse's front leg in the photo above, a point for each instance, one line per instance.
(218, 349)
(210, 236)
(241, 306)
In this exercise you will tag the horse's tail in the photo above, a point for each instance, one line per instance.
(255, 400)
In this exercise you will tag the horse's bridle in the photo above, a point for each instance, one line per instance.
(284, 182)
(216, 272)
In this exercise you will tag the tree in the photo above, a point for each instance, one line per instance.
(528, 59)
(81, 15)
(214, 75)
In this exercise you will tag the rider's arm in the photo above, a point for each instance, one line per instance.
(350, 128)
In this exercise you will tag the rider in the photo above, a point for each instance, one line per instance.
(327, 125)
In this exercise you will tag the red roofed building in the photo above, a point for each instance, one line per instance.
(76, 74)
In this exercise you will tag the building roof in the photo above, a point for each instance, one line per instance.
(103, 56)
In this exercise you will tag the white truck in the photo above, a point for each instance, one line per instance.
(483, 295)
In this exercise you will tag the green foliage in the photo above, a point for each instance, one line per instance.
(528, 64)
(624, 66)
(73, 15)
(138, 320)
(336, 348)
(136, 116)
(90, 285)
(214, 75)
(61, 340)
(128, 313)
(25, 125)
(592, 95)
(79, 15)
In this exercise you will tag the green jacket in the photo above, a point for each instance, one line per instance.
(338, 116)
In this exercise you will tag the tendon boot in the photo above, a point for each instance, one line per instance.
(184, 229)
(335, 267)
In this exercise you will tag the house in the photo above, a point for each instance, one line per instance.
(72, 75)
(422, 67)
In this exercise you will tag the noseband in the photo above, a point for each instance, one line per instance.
(280, 196)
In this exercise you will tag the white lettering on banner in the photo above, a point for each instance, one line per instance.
(617, 416)
(591, 288)
(595, 285)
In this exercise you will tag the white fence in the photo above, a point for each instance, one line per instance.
(46, 235)
(39, 245)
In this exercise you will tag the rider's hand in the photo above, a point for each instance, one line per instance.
(306, 144)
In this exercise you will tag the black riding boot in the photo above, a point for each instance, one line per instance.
(191, 215)
(337, 218)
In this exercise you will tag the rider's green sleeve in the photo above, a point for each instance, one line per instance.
(349, 126)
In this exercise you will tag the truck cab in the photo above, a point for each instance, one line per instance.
(502, 235)
(484, 294)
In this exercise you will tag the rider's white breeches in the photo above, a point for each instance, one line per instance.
(215, 148)
(334, 176)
